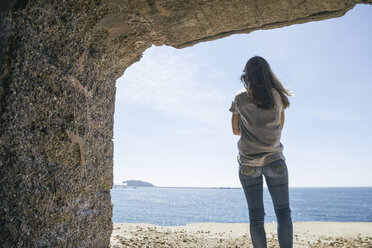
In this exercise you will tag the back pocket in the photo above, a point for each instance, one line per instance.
(248, 170)
(278, 167)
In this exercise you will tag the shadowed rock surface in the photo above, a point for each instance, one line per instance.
(59, 62)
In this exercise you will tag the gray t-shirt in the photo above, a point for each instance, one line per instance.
(259, 143)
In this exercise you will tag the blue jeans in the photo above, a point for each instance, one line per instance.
(276, 176)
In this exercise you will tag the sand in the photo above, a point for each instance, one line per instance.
(306, 234)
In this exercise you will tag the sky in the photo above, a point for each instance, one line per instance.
(172, 126)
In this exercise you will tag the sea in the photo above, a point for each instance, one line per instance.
(180, 206)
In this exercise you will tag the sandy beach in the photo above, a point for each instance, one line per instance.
(306, 234)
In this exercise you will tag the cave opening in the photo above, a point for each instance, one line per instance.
(172, 125)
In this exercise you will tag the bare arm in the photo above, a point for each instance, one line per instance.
(282, 119)
(235, 124)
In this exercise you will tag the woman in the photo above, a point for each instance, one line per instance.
(258, 117)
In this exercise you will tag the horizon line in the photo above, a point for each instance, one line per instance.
(227, 187)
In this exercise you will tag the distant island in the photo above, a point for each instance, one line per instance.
(137, 183)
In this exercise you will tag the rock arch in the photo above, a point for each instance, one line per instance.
(59, 62)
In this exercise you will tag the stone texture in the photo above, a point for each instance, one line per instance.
(59, 62)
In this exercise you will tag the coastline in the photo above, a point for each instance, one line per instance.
(306, 234)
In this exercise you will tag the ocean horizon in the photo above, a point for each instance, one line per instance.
(173, 206)
(223, 187)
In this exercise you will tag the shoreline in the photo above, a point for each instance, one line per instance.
(306, 234)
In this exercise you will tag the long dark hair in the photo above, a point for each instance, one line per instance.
(259, 80)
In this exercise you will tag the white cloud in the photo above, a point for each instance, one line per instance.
(172, 81)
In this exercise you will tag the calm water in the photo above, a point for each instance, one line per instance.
(180, 206)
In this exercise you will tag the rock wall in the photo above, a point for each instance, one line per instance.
(59, 62)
